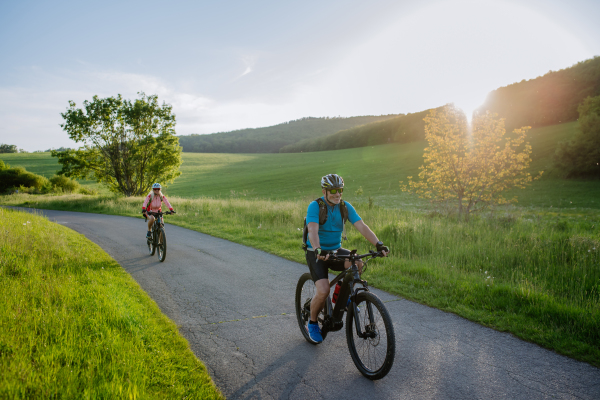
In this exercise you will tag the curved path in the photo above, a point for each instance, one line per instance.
(235, 306)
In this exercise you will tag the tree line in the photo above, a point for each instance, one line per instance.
(271, 139)
(10, 148)
(546, 100)
(400, 129)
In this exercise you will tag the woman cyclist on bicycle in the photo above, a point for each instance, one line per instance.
(153, 202)
(324, 239)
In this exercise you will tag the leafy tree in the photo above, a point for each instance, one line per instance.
(581, 156)
(470, 166)
(126, 145)
(8, 148)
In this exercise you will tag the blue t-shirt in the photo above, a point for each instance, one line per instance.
(330, 233)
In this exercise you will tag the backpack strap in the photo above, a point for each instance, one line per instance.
(323, 214)
(344, 212)
(322, 211)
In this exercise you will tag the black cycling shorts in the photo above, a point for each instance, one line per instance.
(320, 269)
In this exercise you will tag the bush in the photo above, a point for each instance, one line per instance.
(64, 184)
(11, 178)
(580, 157)
(86, 191)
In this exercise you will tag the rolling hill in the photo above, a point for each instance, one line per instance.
(272, 138)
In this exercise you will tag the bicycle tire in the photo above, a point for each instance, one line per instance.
(151, 246)
(162, 245)
(305, 291)
(373, 361)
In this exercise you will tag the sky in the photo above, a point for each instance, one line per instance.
(246, 64)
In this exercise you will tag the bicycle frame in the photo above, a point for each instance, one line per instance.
(157, 224)
(351, 277)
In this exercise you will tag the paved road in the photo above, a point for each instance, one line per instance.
(235, 306)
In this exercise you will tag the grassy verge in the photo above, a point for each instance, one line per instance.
(536, 275)
(74, 324)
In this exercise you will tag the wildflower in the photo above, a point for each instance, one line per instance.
(259, 226)
(485, 272)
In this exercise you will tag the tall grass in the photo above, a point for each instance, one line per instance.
(535, 275)
(75, 325)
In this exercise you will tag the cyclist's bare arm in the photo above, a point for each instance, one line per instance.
(313, 237)
(368, 234)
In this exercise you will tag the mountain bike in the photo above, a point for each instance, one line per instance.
(158, 238)
(369, 329)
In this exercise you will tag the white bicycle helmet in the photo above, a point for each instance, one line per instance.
(156, 186)
(332, 181)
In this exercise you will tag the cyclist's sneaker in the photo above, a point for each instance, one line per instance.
(347, 304)
(315, 333)
(148, 235)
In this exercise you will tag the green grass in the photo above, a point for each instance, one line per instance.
(75, 325)
(534, 274)
(377, 169)
(541, 257)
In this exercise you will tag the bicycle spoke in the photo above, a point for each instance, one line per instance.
(374, 353)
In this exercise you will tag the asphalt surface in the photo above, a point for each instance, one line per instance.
(235, 306)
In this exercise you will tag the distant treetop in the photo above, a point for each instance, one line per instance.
(546, 100)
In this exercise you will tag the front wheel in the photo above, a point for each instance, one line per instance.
(373, 354)
(305, 291)
(150, 242)
(162, 245)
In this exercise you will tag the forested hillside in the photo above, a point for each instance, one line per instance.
(401, 129)
(546, 100)
(272, 138)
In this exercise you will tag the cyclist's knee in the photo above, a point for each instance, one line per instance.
(322, 286)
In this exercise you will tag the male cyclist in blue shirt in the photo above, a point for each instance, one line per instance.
(325, 239)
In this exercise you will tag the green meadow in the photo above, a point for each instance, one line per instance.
(532, 269)
(377, 169)
(75, 325)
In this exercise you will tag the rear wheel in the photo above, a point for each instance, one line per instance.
(374, 353)
(305, 291)
(162, 245)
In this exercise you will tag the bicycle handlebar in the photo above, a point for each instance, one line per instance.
(160, 213)
(353, 255)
